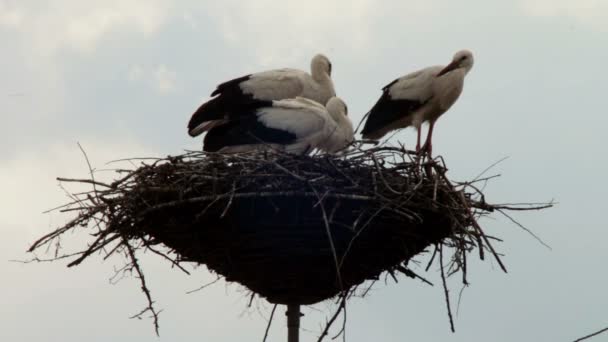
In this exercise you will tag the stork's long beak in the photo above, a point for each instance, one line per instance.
(452, 66)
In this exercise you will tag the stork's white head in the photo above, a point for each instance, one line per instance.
(463, 59)
(337, 108)
(344, 134)
(320, 66)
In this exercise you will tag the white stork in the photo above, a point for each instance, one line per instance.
(245, 92)
(421, 96)
(294, 125)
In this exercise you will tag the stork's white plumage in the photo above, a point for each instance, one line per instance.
(294, 125)
(421, 96)
(246, 92)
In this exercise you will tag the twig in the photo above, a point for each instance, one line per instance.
(331, 241)
(333, 318)
(144, 288)
(445, 289)
(525, 229)
(204, 286)
(489, 168)
(592, 335)
(269, 322)
(90, 181)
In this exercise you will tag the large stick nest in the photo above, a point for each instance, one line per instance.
(293, 229)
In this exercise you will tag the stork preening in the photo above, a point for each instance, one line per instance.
(418, 97)
(295, 125)
(243, 93)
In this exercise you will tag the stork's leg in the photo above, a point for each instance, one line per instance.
(418, 140)
(428, 144)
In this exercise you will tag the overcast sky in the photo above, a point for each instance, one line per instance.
(122, 77)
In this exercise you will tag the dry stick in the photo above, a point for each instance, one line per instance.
(445, 289)
(530, 207)
(37, 259)
(92, 199)
(144, 288)
(112, 251)
(90, 169)
(460, 297)
(269, 322)
(331, 241)
(412, 274)
(377, 165)
(232, 193)
(204, 286)
(90, 181)
(50, 236)
(251, 299)
(489, 168)
(464, 265)
(343, 329)
(358, 232)
(96, 246)
(525, 229)
(63, 205)
(333, 318)
(166, 257)
(477, 226)
(278, 166)
(428, 265)
(360, 122)
(592, 335)
(337, 264)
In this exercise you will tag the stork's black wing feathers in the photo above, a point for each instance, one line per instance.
(385, 88)
(230, 102)
(388, 110)
(246, 130)
(231, 87)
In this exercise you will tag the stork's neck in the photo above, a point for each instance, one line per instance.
(320, 76)
(341, 120)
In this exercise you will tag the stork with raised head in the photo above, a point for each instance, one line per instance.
(245, 92)
(418, 97)
(295, 125)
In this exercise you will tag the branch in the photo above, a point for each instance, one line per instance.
(333, 318)
(269, 322)
(144, 288)
(592, 335)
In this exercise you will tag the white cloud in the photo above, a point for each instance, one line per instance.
(9, 16)
(160, 78)
(589, 12)
(294, 29)
(29, 185)
(165, 79)
(135, 73)
(80, 25)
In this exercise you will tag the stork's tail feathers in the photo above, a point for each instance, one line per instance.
(206, 116)
(221, 109)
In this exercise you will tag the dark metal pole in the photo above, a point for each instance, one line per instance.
(293, 322)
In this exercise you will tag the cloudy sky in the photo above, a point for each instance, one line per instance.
(123, 76)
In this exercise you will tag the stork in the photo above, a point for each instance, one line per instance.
(421, 96)
(246, 92)
(294, 125)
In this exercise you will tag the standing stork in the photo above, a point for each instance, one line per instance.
(245, 92)
(295, 125)
(421, 96)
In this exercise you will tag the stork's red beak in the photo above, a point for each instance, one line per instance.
(452, 66)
